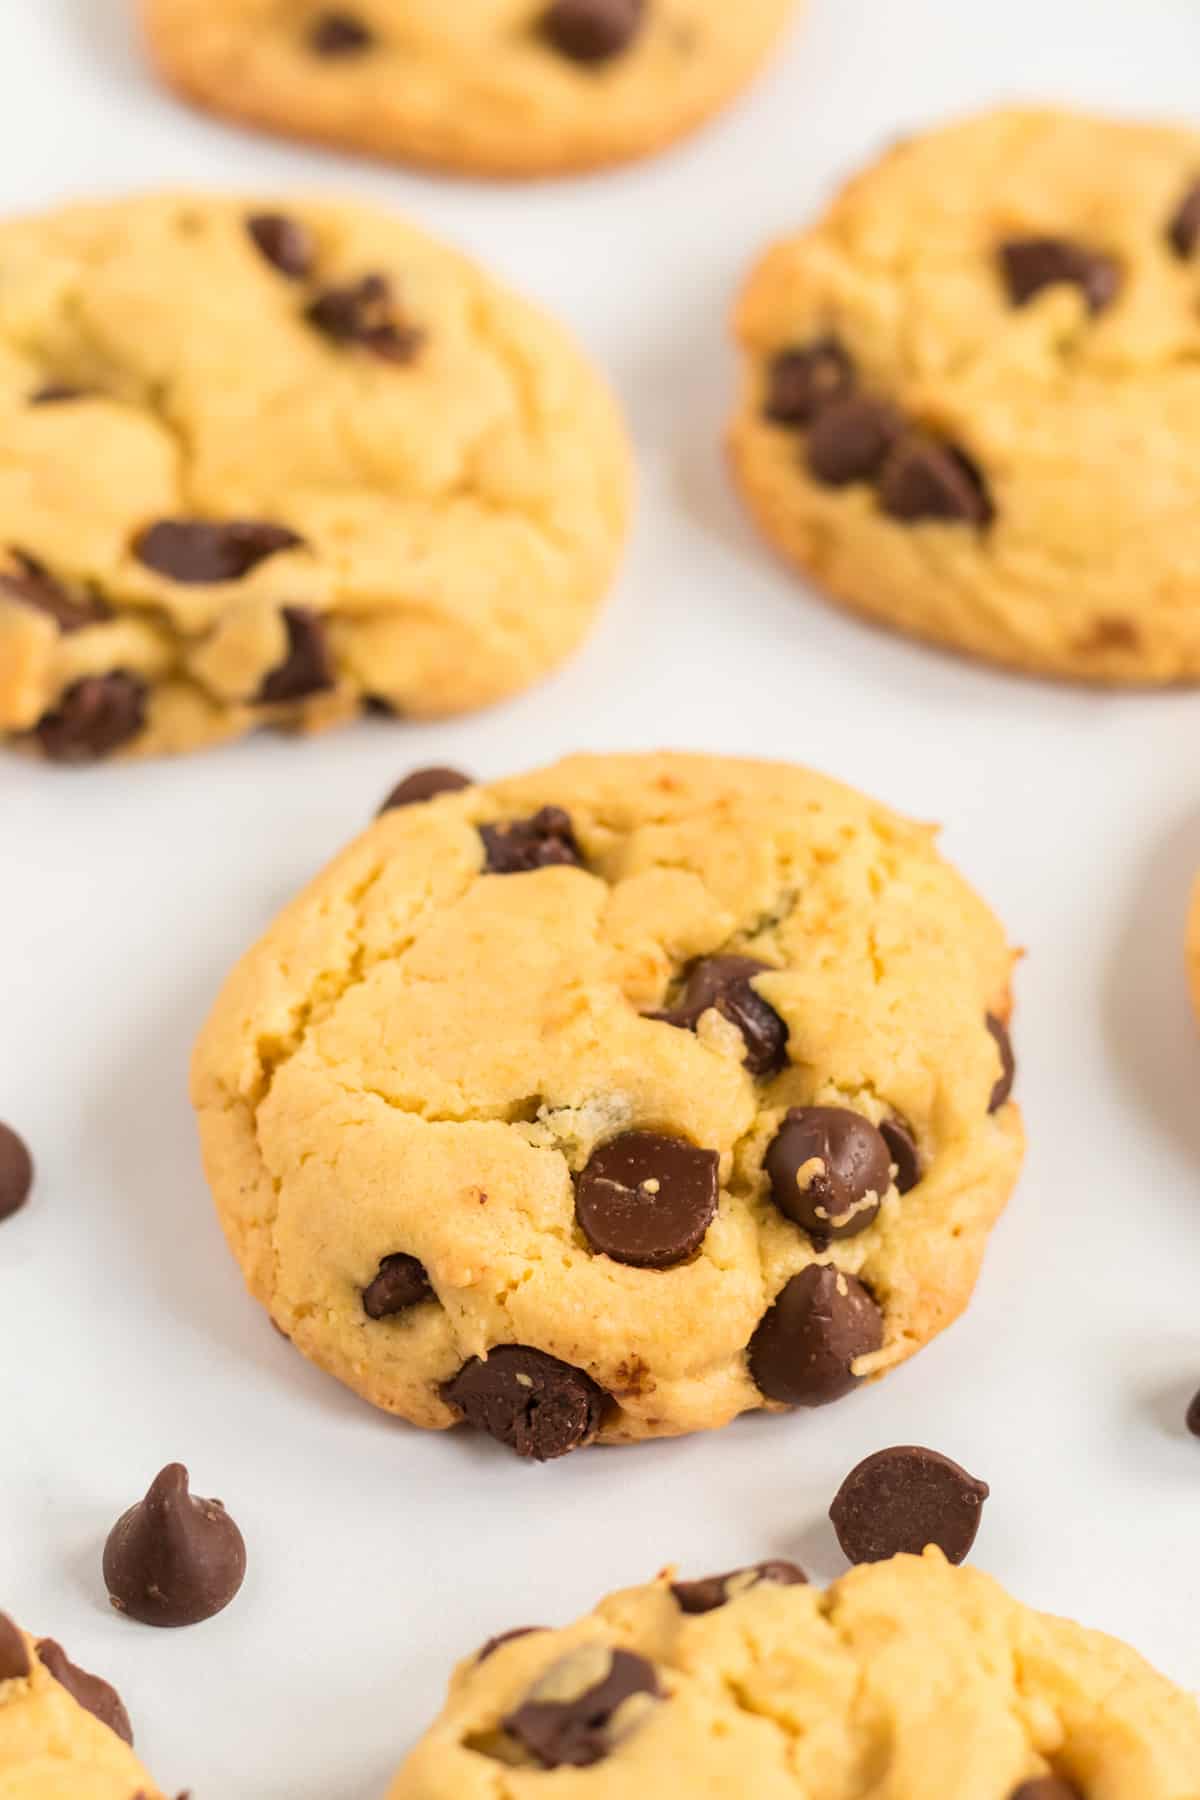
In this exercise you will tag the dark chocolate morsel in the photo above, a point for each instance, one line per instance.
(898, 1501)
(507, 1637)
(829, 1169)
(365, 314)
(897, 1134)
(530, 1401)
(647, 1199)
(571, 1717)
(89, 1691)
(1008, 1063)
(723, 982)
(1193, 1416)
(16, 1172)
(802, 383)
(850, 440)
(592, 31)
(285, 243)
(33, 585)
(14, 1657)
(173, 1559)
(1183, 232)
(96, 716)
(339, 33)
(307, 668)
(401, 1282)
(711, 1591)
(425, 784)
(804, 1350)
(1045, 1787)
(924, 479)
(519, 846)
(1031, 264)
(200, 552)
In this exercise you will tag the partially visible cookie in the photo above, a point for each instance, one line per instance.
(499, 87)
(906, 1680)
(971, 396)
(269, 464)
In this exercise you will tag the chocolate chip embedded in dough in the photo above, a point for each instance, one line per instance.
(365, 314)
(284, 242)
(723, 983)
(898, 1135)
(336, 32)
(532, 1402)
(1008, 1062)
(802, 383)
(402, 1282)
(14, 1657)
(850, 440)
(93, 718)
(518, 846)
(1033, 263)
(32, 584)
(805, 1348)
(203, 552)
(1183, 232)
(712, 1591)
(829, 1169)
(647, 1199)
(924, 479)
(592, 31)
(425, 784)
(89, 1691)
(308, 667)
(584, 1705)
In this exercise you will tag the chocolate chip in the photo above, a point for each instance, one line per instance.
(365, 314)
(801, 383)
(507, 1637)
(1045, 1787)
(900, 1500)
(1008, 1062)
(545, 841)
(307, 668)
(591, 31)
(805, 1348)
(401, 1282)
(646, 1199)
(197, 552)
(706, 1595)
(1193, 1416)
(1031, 264)
(16, 1172)
(14, 1657)
(1183, 232)
(173, 1559)
(897, 1134)
(723, 983)
(337, 33)
(425, 784)
(286, 244)
(89, 1691)
(851, 439)
(579, 1711)
(538, 1406)
(34, 586)
(93, 718)
(829, 1169)
(57, 393)
(924, 479)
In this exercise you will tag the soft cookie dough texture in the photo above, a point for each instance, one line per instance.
(906, 1680)
(51, 1749)
(501, 87)
(265, 463)
(1022, 289)
(420, 1058)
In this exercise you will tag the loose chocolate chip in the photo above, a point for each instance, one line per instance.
(307, 668)
(401, 1282)
(547, 840)
(286, 244)
(32, 584)
(16, 1172)
(14, 1657)
(897, 1134)
(1031, 264)
(802, 383)
(723, 982)
(805, 1348)
(365, 314)
(715, 1590)
(89, 1691)
(507, 1637)
(851, 438)
(923, 479)
(337, 33)
(1008, 1062)
(1193, 1416)
(900, 1500)
(1183, 232)
(57, 393)
(538, 1406)
(829, 1169)
(579, 1711)
(197, 552)
(646, 1199)
(425, 784)
(173, 1559)
(93, 718)
(1045, 1787)
(592, 31)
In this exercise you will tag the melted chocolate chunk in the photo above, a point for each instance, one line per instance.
(33, 585)
(173, 1559)
(802, 383)
(850, 440)
(530, 1401)
(646, 1199)
(364, 315)
(593, 31)
(95, 717)
(518, 846)
(402, 1282)
(923, 479)
(1031, 264)
(829, 1169)
(285, 243)
(200, 552)
(507, 1637)
(580, 1710)
(307, 668)
(901, 1500)
(723, 983)
(1008, 1062)
(805, 1348)
(89, 1691)
(713, 1591)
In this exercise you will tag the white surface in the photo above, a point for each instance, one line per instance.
(377, 1555)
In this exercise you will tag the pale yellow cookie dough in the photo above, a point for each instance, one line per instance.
(906, 1680)
(458, 480)
(419, 1056)
(475, 85)
(1083, 425)
(51, 1749)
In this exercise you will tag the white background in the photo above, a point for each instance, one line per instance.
(378, 1555)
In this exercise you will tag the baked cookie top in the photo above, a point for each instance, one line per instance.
(905, 1679)
(506, 87)
(971, 404)
(265, 462)
(613, 1100)
(52, 1747)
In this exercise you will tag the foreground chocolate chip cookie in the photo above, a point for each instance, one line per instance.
(503, 87)
(972, 392)
(907, 1678)
(614, 1100)
(269, 466)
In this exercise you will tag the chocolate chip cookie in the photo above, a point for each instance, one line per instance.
(267, 465)
(501, 87)
(971, 394)
(908, 1678)
(609, 1102)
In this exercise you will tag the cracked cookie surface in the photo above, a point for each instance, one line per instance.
(971, 392)
(503, 87)
(267, 465)
(471, 1173)
(905, 1679)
